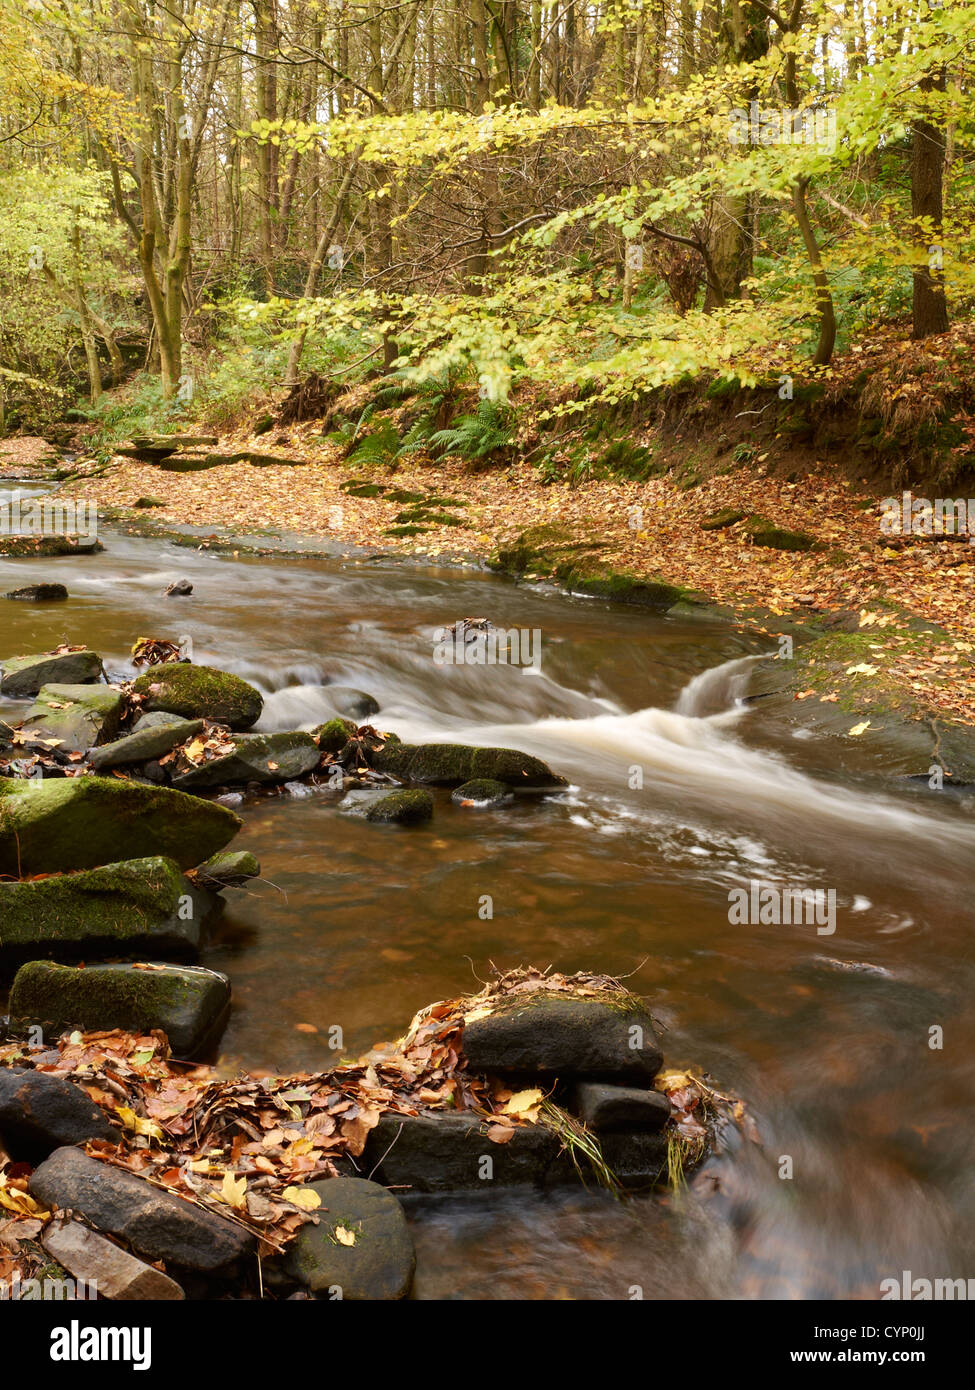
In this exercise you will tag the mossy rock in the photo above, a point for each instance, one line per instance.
(59, 824)
(145, 503)
(406, 530)
(402, 808)
(200, 692)
(31, 547)
(592, 576)
(188, 1003)
(724, 516)
(363, 489)
(75, 717)
(128, 908)
(765, 533)
(452, 764)
(25, 675)
(145, 744)
(334, 734)
(377, 1266)
(228, 869)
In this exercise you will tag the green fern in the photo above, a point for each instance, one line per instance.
(488, 431)
(378, 447)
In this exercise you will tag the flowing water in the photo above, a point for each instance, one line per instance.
(358, 926)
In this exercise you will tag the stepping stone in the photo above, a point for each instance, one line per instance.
(360, 1250)
(40, 1112)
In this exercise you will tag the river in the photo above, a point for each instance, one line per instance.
(357, 926)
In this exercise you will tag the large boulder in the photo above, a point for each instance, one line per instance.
(200, 692)
(59, 824)
(75, 717)
(145, 744)
(138, 907)
(452, 764)
(270, 758)
(155, 1224)
(554, 1034)
(40, 1113)
(24, 675)
(105, 1266)
(372, 1256)
(188, 1003)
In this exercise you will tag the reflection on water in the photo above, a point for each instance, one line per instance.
(360, 926)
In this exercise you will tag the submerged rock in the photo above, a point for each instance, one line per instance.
(483, 791)
(145, 743)
(136, 907)
(40, 1112)
(78, 717)
(265, 758)
(377, 1264)
(354, 704)
(158, 1226)
(190, 1004)
(566, 1036)
(402, 808)
(39, 593)
(114, 1272)
(25, 675)
(452, 764)
(200, 692)
(55, 825)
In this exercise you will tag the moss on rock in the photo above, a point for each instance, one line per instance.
(402, 808)
(334, 734)
(133, 906)
(200, 692)
(187, 1002)
(451, 764)
(56, 825)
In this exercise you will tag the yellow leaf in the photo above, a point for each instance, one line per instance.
(482, 1012)
(136, 1123)
(859, 728)
(344, 1236)
(862, 670)
(233, 1190)
(302, 1197)
(524, 1103)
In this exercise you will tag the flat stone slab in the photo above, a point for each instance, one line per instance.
(59, 824)
(360, 1250)
(144, 745)
(156, 1225)
(137, 907)
(266, 758)
(25, 675)
(603, 1107)
(112, 1271)
(76, 717)
(40, 1112)
(552, 1034)
(190, 1004)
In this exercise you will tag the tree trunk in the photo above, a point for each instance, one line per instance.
(927, 208)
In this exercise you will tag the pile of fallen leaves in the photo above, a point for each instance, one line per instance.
(247, 1147)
